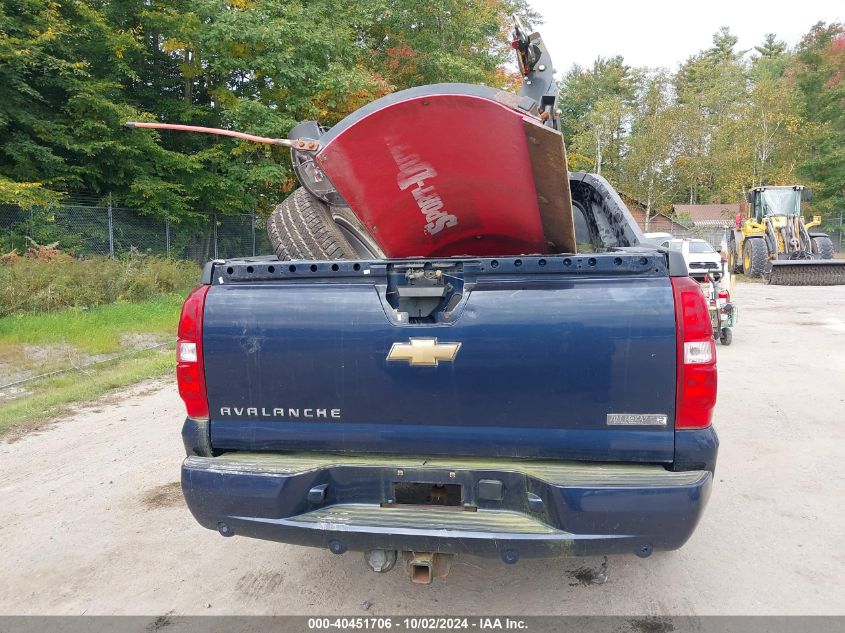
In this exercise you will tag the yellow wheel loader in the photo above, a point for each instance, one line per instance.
(776, 243)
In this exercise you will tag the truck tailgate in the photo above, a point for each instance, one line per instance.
(557, 357)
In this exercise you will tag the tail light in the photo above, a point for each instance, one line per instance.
(696, 386)
(190, 374)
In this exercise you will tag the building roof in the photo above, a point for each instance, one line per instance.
(708, 214)
(658, 223)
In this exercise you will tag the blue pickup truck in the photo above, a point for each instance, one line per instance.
(533, 406)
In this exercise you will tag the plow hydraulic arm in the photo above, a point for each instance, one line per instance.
(538, 80)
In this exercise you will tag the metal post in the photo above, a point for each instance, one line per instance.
(167, 236)
(214, 225)
(111, 231)
(252, 224)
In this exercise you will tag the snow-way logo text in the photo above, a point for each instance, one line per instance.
(414, 174)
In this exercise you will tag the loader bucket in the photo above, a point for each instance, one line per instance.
(807, 272)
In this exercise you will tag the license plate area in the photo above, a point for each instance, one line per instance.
(408, 493)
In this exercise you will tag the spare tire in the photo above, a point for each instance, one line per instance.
(304, 227)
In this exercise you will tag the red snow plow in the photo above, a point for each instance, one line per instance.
(452, 169)
(437, 170)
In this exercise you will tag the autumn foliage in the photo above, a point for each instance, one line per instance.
(71, 73)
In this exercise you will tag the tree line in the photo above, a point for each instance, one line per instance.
(725, 121)
(72, 72)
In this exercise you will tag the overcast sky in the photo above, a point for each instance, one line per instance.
(660, 33)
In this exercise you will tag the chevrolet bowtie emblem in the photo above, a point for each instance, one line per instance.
(423, 352)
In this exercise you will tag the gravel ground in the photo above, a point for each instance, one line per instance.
(94, 522)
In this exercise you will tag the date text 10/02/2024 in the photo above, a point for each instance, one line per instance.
(417, 624)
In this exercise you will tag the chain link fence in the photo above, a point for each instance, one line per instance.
(83, 228)
(834, 227)
(712, 234)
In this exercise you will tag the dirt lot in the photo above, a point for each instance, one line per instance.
(93, 519)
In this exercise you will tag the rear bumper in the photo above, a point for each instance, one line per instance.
(547, 509)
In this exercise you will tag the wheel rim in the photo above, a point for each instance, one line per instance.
(361, 246)
(747, 260)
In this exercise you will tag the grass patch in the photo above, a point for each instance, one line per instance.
(55, 396)
(31, 285)
(59, 313)
(97, 330)
(39, 343)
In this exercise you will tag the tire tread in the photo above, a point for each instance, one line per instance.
(302, 227)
